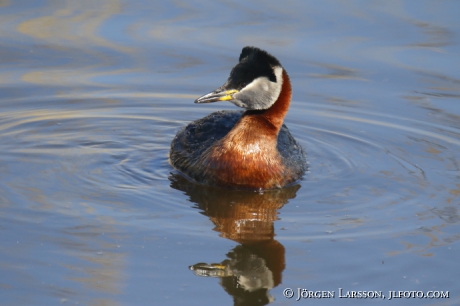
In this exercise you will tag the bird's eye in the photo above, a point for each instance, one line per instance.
(243, 85)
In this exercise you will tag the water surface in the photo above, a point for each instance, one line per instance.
(93, 93)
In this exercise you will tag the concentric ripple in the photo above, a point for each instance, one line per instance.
(98, 146)
(367, 171)
(361, 165)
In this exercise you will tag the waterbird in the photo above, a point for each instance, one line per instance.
(249, 149)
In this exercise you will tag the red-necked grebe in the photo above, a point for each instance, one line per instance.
(244, 150)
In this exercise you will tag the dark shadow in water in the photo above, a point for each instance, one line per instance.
(254, 266)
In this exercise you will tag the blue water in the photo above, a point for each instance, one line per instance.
(92, 93)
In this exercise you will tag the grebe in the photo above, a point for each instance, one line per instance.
(243, 150)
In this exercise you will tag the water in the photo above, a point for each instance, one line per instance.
(93, 93)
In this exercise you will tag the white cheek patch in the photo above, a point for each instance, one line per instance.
(262, 93)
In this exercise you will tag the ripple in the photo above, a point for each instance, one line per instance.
(366, 171)
(109, 147)
(359, 168)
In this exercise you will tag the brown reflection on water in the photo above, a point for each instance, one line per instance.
(73, 22)
(103, 272)
(69, 33)
(436, 36)
(255, 266)
(338, 72)
(435, 236)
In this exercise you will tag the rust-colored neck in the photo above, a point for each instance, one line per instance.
(276, 113)
(247, 156)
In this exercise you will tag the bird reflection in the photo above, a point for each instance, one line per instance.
(254, 266)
